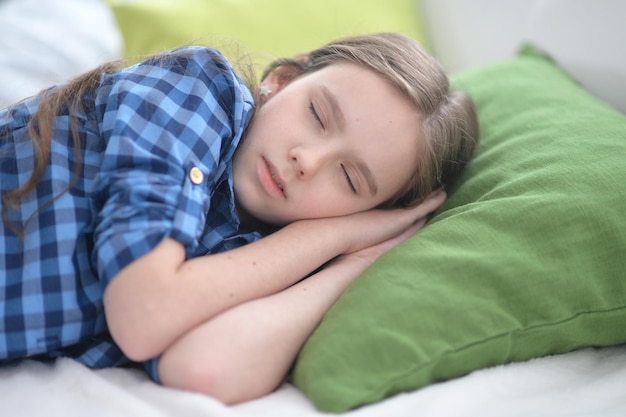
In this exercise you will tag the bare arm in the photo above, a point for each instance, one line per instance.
(245, 352)
(160, 297)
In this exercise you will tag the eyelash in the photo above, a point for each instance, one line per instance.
(315, 115)
(350, 183)
(343, 168)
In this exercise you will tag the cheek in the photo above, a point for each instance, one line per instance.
(271, 119)
(332, 203)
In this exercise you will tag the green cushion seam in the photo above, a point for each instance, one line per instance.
(450, 352)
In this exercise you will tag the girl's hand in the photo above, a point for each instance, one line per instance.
(371, 228)
(250, 358)
(364, 258)
(161, 296)
(369, 255)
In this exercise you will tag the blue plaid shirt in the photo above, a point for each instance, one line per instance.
(155, 161)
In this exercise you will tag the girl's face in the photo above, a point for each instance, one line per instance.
(335, 142)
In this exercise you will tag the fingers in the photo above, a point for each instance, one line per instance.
(371, 227)
(407, 233)
(414, 228)
(435, 200)
(373, 252)
(430, 203)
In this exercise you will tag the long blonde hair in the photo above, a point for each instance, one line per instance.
(449, 120)
(64, 98)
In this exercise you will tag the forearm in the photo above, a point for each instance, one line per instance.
(246, 351)
(158, 298)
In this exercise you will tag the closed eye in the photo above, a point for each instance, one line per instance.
(348, 179)
(315, 115)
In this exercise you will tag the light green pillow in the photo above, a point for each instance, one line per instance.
(525, 259)
(275, 28)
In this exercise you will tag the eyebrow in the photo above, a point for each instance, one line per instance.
(334, 106)
(340, 121)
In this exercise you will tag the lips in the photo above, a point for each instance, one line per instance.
(270, 179)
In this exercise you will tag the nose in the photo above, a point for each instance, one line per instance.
(309, 159)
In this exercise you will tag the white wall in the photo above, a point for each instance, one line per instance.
(586, 37)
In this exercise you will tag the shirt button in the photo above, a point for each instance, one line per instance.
(196, 175)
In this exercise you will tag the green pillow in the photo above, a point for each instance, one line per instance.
(276, 28)
(525, 259)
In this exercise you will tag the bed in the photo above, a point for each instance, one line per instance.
(510, 303)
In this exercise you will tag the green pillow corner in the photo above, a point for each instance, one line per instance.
(525, 259)
(264, 28)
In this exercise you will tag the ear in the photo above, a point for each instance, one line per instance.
(280, 77)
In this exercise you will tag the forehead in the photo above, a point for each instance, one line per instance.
(360, 89)
(382, 127)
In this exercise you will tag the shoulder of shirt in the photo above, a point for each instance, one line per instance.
(212, 62)
(199, 51)
(202, 55)
(202, 64)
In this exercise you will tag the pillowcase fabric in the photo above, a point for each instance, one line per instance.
(274, 28)
(525, 259)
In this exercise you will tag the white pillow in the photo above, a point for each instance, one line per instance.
(43, 42)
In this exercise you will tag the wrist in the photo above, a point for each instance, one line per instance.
(328, 234)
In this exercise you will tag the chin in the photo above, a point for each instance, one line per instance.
(259, 221)
(273, 221)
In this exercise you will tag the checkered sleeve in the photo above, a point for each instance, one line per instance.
(166, 121)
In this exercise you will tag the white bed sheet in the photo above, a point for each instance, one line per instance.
(585, 383)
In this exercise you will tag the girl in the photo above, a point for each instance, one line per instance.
(134, 201)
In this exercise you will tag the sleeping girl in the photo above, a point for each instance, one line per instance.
(169, 213)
